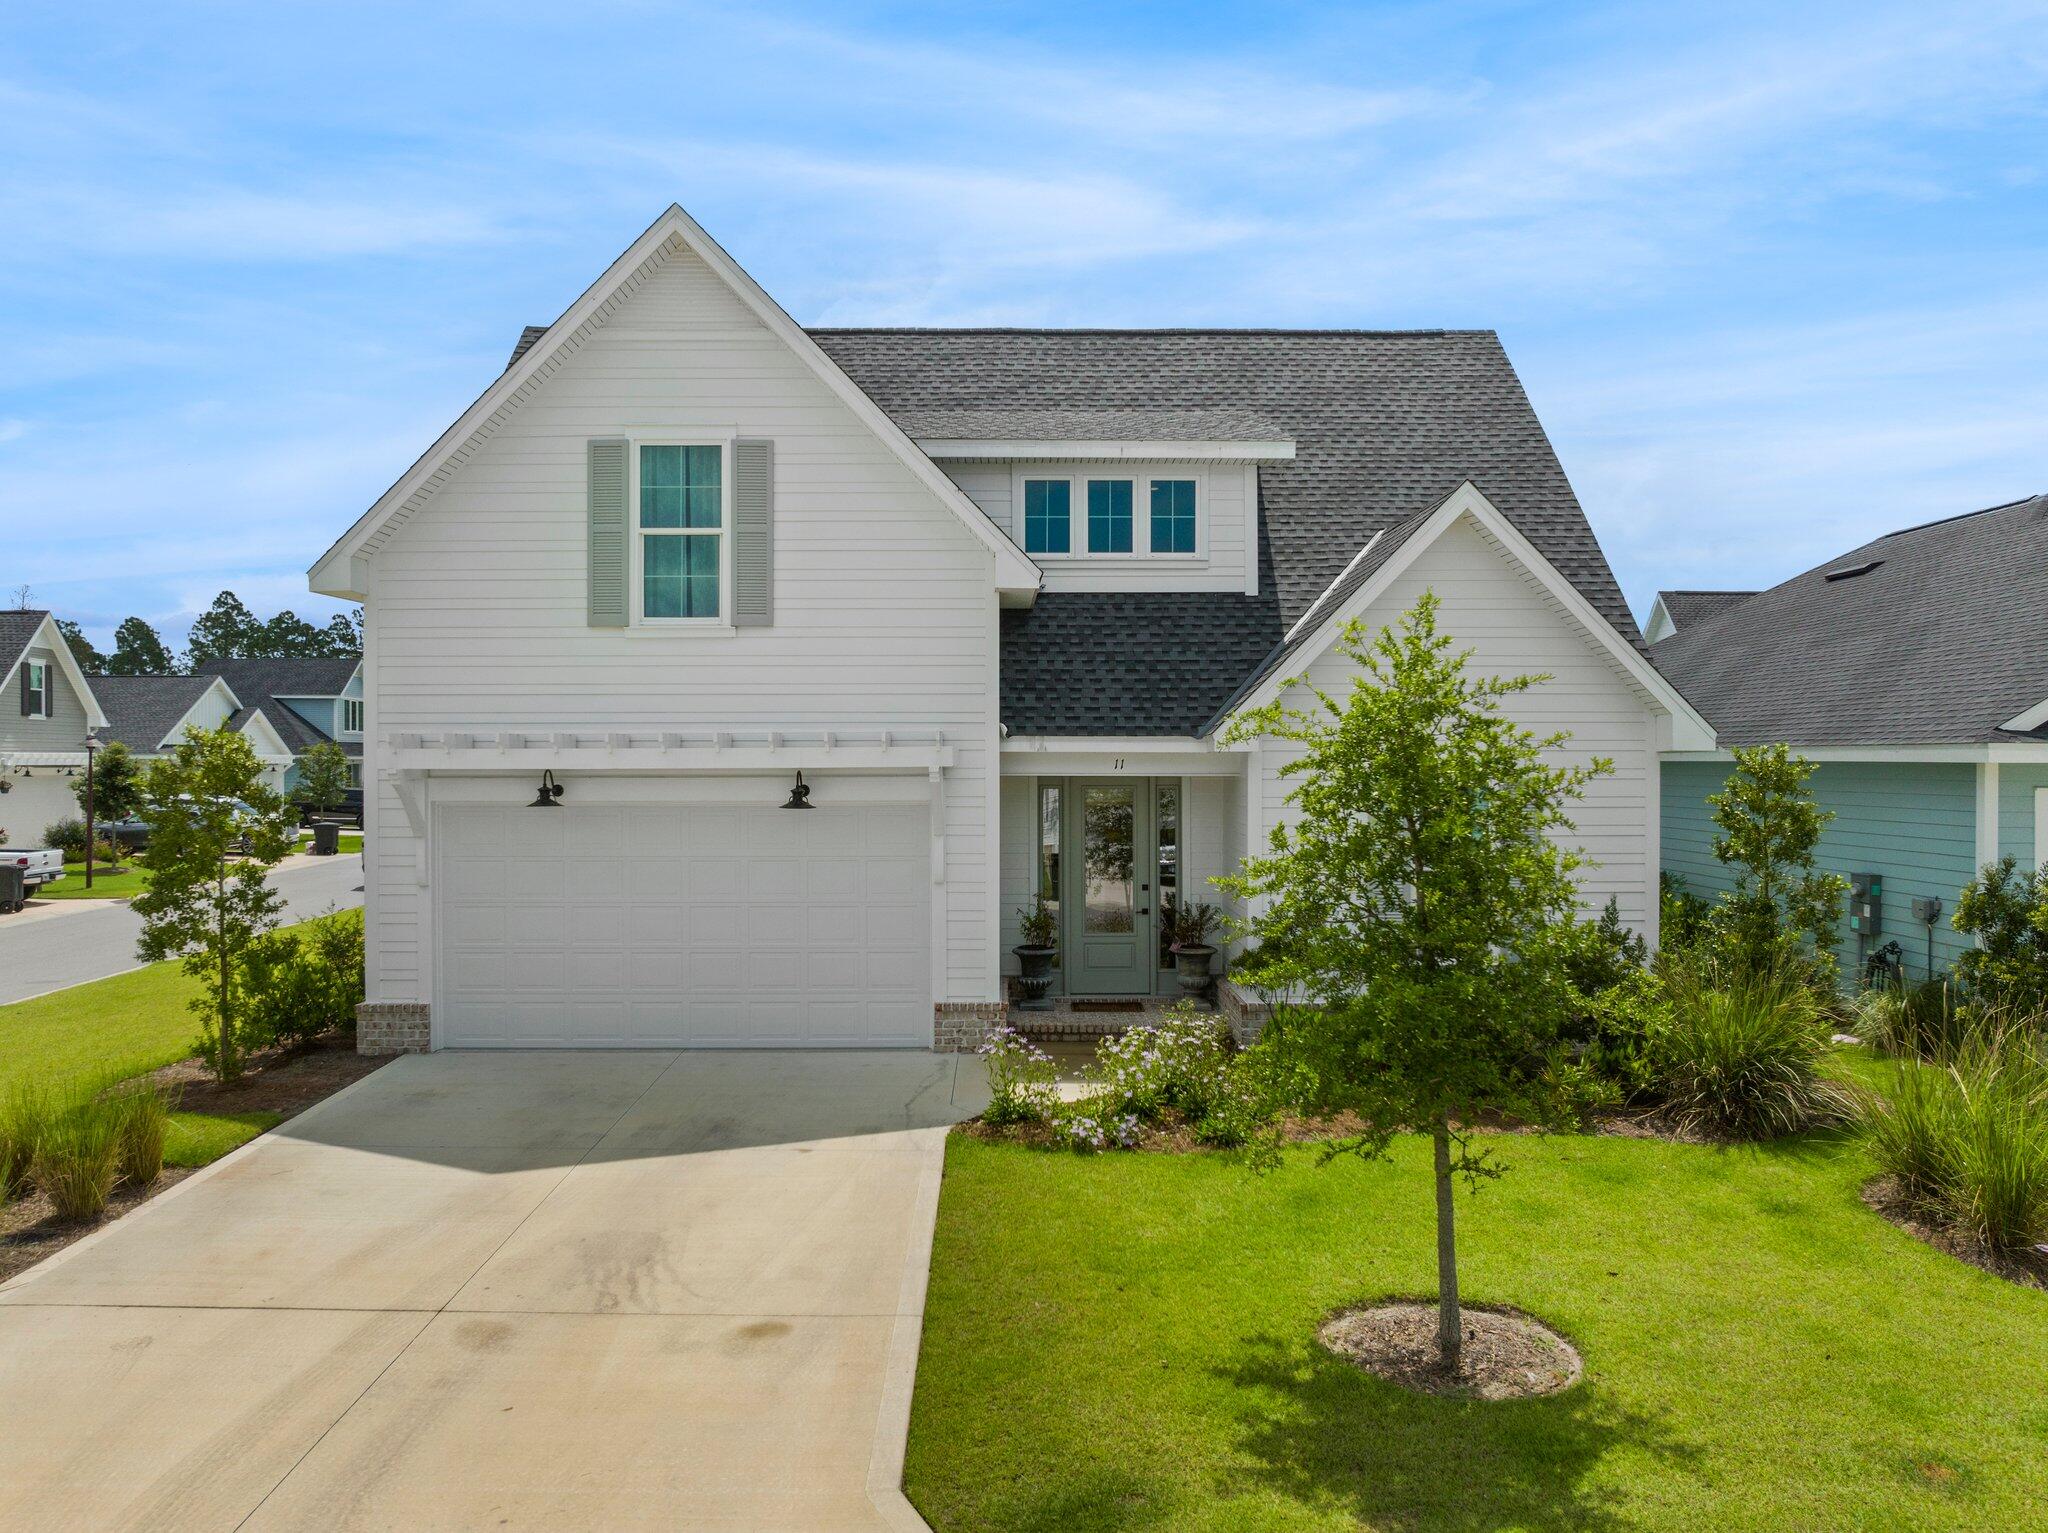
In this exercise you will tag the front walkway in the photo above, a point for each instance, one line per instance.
(521, 1290)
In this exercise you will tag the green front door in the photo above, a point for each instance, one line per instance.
(1111, 867)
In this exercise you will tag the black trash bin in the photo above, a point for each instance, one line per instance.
(12, 895)
(326, 838)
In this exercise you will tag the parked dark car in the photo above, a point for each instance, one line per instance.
(349, 811)
(129, 835)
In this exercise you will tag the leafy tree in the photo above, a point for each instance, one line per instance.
(89, 659)
(1769, 827)
(116, 785)
(139, 651)
(1420, 916)
(345, 632)
(2007, 912)
(227, 630)
(323, 777)
(201, 905)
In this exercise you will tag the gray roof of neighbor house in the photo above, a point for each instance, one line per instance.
(260, 683)
(1386, 424)
(1936, 634)
(17, 627)
(1688, 607)
(142, 710)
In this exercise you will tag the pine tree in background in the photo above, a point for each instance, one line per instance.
(139, 651)
(89, 659)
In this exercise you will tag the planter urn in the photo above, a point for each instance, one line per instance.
(1036, 978)
(1191, 967)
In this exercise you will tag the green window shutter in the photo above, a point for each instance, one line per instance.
(753, 530)
(607, 556)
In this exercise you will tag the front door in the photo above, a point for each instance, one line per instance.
(1111, 874)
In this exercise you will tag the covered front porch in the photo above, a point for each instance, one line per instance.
(1115, 835)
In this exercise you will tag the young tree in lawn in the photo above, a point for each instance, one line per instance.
(114, 786)
(205, 800)
(1768, 828)
(323, 777)
(139, 650)
(1418, 914)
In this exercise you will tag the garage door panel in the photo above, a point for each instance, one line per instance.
(694, 926)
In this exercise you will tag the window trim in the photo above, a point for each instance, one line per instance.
(1141, 480)
(721, 625)
(38, 673)
(351, 708)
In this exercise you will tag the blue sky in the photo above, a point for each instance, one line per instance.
(1775, 277)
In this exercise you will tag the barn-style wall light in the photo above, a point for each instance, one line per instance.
(800, 795)
(550, 795)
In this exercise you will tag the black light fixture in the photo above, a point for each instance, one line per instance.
(800, 795)
(550, 795)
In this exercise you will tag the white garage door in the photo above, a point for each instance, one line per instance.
(699, 926)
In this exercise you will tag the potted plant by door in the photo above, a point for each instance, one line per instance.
(1039, 927)
(1192, 952)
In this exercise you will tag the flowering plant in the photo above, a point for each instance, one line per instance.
(1020, 1078)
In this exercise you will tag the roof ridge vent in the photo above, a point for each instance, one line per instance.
(1851, 571)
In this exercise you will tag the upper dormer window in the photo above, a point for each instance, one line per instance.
(1047, 513)
(1173, 516)
(682, 532)
(351, 715)
(37, 701)
(1109, 516)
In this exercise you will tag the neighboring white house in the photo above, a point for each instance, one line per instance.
(992, 593)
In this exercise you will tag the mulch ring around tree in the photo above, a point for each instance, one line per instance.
(1884, 1197)
(1506, 1354)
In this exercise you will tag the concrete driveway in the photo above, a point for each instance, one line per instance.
(522, 1290)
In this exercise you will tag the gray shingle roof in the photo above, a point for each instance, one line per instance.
(260, 683)
(143, 710)
(17, 627)
(1941, 642)
(1077, 424)
(1385, 424)
(525, 342)
(1688, 607)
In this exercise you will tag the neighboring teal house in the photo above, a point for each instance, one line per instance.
(1915, 671)
(308, 701)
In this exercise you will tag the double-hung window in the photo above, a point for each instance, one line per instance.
(1173, 516)
(1048, 509)
(36, 701)
(1109, 516)
(682, 532)
(351, 715)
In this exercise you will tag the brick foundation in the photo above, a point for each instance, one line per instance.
(960, 1027)
(1245, 1013)
(393, 1027)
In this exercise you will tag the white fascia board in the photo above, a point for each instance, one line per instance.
(1121, 745)
(1008, 449)
(1688, 729)
(341, 571)
(50, 637)
(2017, 752)
(2028, 722)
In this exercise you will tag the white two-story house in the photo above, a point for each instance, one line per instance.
(982, 600)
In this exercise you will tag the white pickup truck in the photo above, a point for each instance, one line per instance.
(37, 868)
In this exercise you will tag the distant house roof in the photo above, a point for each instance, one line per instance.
(1936, 634)
(260, 683)
(17, 631)
(1684, 608)
(142, 711)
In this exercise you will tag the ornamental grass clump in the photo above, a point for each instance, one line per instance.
(1742, 1055)
(78, 1159)
(1929, 1018)
(26, 1112)
(144, 1115)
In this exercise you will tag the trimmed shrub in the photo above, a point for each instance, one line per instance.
(300, 984)
(1743, 1052)
(78, 1160)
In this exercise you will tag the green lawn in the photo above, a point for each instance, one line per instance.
(126, 884)
(199, 1139)
(1126, 1342)
(121, 1026)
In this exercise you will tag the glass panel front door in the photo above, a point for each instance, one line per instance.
(1110, 894)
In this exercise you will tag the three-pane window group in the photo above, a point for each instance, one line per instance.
(1111, 522)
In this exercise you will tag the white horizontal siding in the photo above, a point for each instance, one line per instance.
(884, 604)
(1494, 608)
(1226, 496)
